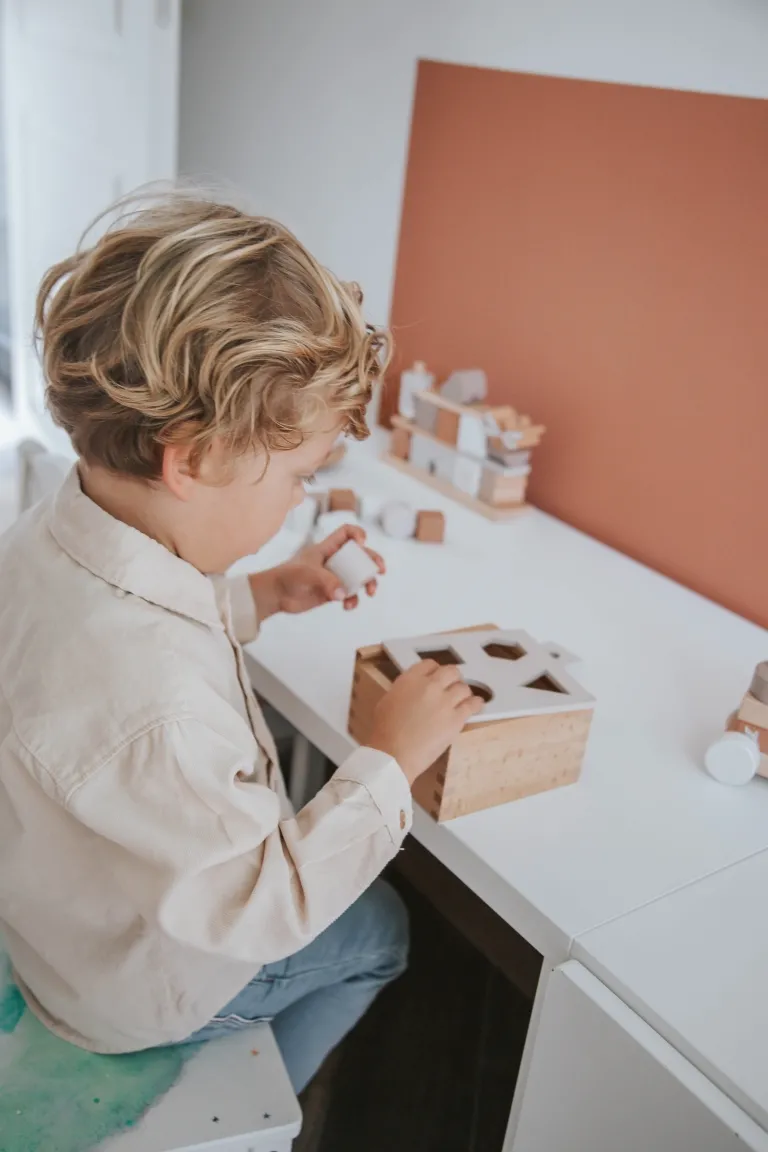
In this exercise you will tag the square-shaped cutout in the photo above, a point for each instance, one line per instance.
(386, 666)
(441, 656)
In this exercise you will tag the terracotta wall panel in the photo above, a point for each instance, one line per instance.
(602, 251)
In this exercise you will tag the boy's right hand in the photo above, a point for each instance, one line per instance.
(423, 712)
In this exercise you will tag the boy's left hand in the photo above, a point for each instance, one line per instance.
(304, 582)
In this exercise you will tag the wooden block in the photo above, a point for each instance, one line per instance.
(509, 457)
(531, 436)
(447, 426)
(425, 413)
(736, 724)
(430, 527)
(759, 686)
(489, 763)
(467, 386)
(468, 475)
(489, 511)
(342, 500)
(499, 489)
(499, 450)
(753, 712)
(471, 435)
(400, 443)
(506, 417)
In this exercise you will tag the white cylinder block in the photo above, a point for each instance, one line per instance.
(733, 759)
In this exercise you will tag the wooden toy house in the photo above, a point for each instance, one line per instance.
(530, 737)
(477, 453)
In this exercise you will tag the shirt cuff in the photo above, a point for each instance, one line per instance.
(386, 783)
(243, 606)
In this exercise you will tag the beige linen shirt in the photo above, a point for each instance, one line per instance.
(149, 863)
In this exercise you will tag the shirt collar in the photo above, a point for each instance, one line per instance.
(126, 558)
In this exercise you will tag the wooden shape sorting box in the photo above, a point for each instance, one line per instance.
(491, 762)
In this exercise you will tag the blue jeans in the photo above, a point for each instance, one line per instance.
(316, 996)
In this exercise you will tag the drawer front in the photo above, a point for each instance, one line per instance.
(601, 1080)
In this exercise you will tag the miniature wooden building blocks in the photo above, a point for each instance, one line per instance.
(430, 527)
(342, 500)
(477, 453)
(530, 737)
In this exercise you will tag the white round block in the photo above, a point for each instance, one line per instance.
(328, 522)
(733, 759)
(398, 519)
(353, 566)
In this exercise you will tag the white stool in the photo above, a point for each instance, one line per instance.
(226, 1099)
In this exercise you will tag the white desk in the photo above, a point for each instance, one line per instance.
(695, 967)
(665, 665)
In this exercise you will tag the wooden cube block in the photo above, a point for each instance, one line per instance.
(759, 686)
(489, 763)
(447, 426)
(425, 413)
(430, 527)
(496, 488)
(468, 475)
(754, 712)
(471, 435)
(400, 443)
(342, 500)
(736, 724)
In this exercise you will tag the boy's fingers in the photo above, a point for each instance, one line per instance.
(471, 707)
(337, 539)
(351, 602)
(377, 559)
(326, 584)
(459, 692)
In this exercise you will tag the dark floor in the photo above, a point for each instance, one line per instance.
(432, 1066)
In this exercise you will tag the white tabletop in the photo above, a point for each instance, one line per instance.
(694, 965)
(665, 665)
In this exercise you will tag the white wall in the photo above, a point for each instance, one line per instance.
(305, 104)
(5, 336)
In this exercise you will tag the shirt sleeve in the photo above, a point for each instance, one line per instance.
(204, 854)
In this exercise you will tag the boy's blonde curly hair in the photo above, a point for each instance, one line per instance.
(190, 320)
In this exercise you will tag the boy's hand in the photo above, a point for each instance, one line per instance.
(423, 712)
(305, 582)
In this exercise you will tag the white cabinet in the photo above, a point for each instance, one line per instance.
(601, 1080)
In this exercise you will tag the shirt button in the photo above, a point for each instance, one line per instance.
(402, 818)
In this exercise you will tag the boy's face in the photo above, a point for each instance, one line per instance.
(236, 519)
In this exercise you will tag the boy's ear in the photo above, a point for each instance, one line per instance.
(178, 475)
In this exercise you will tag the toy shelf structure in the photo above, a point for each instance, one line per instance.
(475, 453)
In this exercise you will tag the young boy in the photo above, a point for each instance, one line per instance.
(154, 885)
